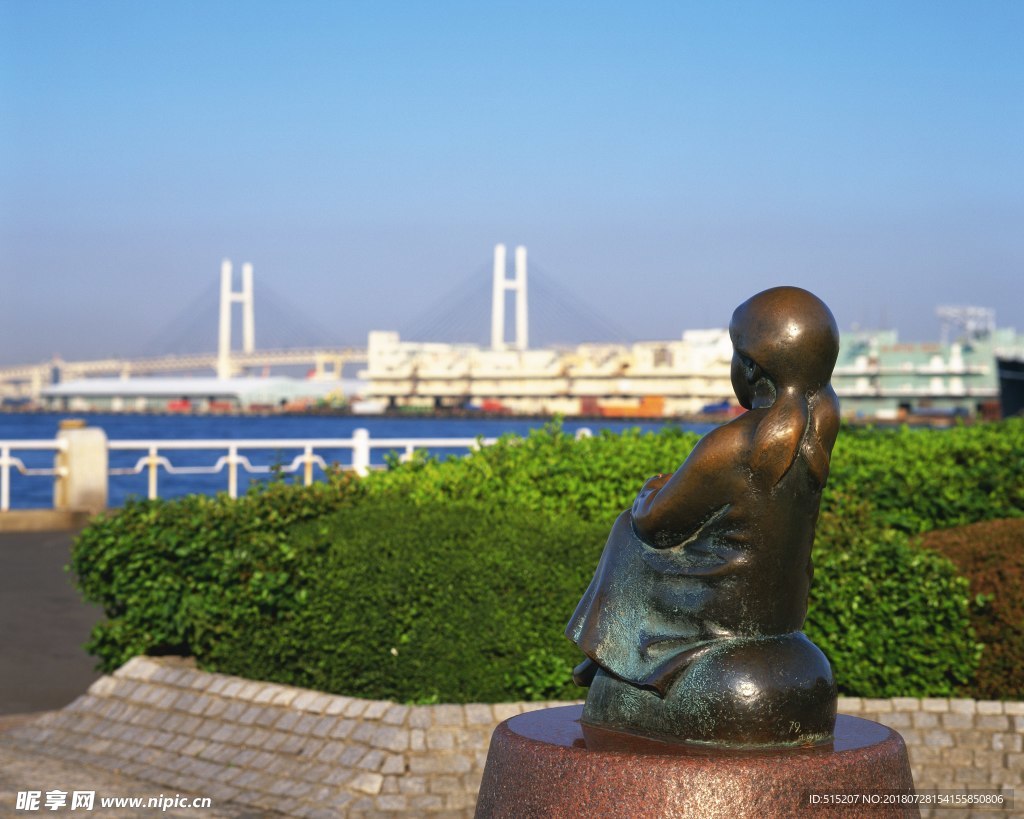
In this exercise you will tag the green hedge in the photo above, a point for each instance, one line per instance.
(990, 554)
(893, 619)
(170, 574)
(548, 470)
(224, 580)
(920, 479)
(438, 603)
(461, 602)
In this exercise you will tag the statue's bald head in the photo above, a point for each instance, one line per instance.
(790, 333)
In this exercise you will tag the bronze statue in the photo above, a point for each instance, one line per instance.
(691, 625)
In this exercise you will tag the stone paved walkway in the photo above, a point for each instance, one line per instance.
(23, 770)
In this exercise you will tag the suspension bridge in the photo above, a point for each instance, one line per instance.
(459, 315)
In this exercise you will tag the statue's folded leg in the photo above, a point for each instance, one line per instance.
(583, 674)
(747, 691)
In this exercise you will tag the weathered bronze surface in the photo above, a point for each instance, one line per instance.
(691, 625)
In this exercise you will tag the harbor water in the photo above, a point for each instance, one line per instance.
(29, 492)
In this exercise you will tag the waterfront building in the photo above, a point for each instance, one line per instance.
(876, 376)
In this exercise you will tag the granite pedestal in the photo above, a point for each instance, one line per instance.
(547, 764)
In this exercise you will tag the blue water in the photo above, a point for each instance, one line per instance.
(29, 492)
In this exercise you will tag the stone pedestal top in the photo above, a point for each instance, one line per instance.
(547, 763)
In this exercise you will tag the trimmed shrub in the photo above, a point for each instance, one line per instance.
(438, 603)
(171, 575)
(460, 602)
(991, 556)
(224, 580)
(549, 471)
(893, 619)
(922, 479)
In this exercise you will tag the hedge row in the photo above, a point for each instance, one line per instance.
(468, 569)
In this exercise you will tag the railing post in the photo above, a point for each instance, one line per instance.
(308, 466)
(361, 452)
(152, 473)
(5, 478)
(233, 471)
(81, 464)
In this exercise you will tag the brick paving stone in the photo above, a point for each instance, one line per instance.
(396, 715)
(266, 693)
(367, 782)
(391, 739)
(986, 707)
(1007, 742)
(956, 721)
(331, 752)
(287, 722)
(311, 747)
(419, 717)
(234, 710)
(448, 715)
(506, 710)
(304, 700)
(343, 728)
(394, 764)
(375, 709)
(306, 724)
(269, 714)
(337, 705)
(292, 744)
(234, 686)
(924, 719)
(478, 714)
(323, 726)
(396, 802)
(285, 695)
(992, 722)
(440, 740)
(372, 760)
(351, 756)
(363, 732)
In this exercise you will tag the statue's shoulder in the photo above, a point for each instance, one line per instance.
(735, 439)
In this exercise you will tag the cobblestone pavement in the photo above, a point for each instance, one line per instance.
(24, 770)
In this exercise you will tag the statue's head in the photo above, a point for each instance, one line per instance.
(783, 338)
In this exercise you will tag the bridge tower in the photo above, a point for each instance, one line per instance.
(501, 286)
(228, 296)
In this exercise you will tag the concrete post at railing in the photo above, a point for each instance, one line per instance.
(361, 452)
(81, 482)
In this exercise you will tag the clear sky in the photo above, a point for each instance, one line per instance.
(662, 160)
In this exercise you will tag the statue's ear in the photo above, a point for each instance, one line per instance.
(751, 371)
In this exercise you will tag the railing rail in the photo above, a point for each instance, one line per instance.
(159, 455)
(156, 455)
(7, 460)
(360, 444)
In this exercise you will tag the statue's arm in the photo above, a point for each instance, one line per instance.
(669, 508)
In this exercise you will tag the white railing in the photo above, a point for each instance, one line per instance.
(360, 445)
(7, 461)
(158, 454)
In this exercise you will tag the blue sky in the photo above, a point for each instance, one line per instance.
(661, 161)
